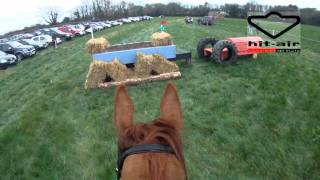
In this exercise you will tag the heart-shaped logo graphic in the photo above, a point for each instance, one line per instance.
(296, 18)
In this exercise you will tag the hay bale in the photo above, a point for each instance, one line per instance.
(97, 45)
(146, 64)
(161, 39)
(118, 71)
(99, 70)
(143, 65)
(96, 74)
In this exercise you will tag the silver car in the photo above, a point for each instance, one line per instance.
(7, 60)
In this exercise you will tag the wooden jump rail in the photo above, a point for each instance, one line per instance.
(136, 81)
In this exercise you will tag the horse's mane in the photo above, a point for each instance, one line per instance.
(154, 132)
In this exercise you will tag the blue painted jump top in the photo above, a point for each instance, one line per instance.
(130, 55)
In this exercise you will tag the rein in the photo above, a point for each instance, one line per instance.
(139, 149)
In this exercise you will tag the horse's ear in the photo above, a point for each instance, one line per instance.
(170, 107)
(123, 110)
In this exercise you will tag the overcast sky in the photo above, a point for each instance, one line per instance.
(16, 14)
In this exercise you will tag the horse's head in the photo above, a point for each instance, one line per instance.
(144, 163)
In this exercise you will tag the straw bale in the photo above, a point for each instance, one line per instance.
(147, 63)
(97, 45)
(161, 39)
(99, 70)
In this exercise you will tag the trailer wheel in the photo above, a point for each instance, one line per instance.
(202, 44)
(222, 56)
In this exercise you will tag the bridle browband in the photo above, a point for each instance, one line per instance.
(139, 149)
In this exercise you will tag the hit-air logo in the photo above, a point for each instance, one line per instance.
(296, 18)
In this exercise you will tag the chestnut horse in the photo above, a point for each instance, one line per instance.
(150, 151)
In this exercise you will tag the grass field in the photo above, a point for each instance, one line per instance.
(259, 119)
(294, 35)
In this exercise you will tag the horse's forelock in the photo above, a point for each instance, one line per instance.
(152, 133)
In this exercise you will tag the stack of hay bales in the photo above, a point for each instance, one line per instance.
(99, 70)
(147, 63)
(161, 39)
(97, 45)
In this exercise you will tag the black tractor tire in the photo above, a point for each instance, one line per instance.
(202, 44)
(232, 52)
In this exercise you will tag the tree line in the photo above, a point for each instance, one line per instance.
(107, 10)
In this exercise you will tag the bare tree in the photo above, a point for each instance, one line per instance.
(51, 16)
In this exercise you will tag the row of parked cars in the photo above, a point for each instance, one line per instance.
(19, 47)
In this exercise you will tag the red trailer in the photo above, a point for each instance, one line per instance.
(226, 51)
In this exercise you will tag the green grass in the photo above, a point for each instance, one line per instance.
(256, 120)
(293, 35)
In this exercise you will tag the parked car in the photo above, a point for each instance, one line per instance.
(90, 29)
(78, 31)
(100, 27)
(27, 36)
(68, 35)
(147, 18)
(19, 50)
(38, 45)
(125, 20)
(36, 33)
(72, 30)
(115, 23)
(100, 24)
(106, 25)
(79, 27)
(56, 34)
(66, 29)
(15, 37)
(206, 20)
(46, 39)
(6, 60)
(86, 25)
(95, 27)
(133, 19)
(188, 20)
(4, 40)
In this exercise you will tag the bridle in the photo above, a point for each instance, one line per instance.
(139, 149)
